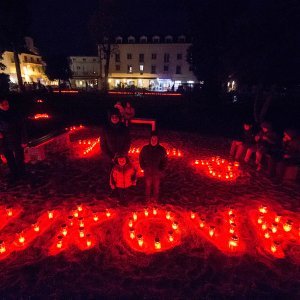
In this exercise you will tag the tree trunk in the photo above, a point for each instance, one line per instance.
(106, 67)
(18, 71)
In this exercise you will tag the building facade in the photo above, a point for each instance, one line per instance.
(154, 63)
(85, 71)
(32, 67)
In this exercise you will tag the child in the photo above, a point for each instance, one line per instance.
(123, 175)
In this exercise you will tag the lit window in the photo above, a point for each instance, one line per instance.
(141, 68)
(129, 69)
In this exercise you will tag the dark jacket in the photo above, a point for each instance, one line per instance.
(268, 142)
(153, 159)
(115, 139)
(291, 150)
(13, 130)
(248, 137)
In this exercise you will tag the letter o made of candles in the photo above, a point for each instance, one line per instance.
(152, 230)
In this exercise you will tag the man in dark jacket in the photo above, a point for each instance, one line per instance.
(115, 137)
(12, 139)
(153, 160)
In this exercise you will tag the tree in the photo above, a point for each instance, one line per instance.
(13, 28)
(104, 26)
(58, 68)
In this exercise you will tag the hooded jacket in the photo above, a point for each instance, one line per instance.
(122, 176)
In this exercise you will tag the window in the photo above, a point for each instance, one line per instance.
(168, 39)
(31, 59)
(155, 39)
(166, 68)
(141, 57)
(141, 69)
(84, 59)
(179, 56)
(118, 67)
(94, 59)
(25, 58)
(143, 39)
(131, 40)
(153, 69)
(167, 57)
(129, 56)
(129, 69)
(153, 56)
(78, 68)
(117, 57)
(181, 39)
(178, 69)
(38, 60)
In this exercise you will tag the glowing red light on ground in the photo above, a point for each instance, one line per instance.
(218, 168)
(40, 116)
(151, 230)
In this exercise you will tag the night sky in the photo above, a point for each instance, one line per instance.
(61, 27)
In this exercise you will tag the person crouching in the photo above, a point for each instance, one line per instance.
(122, 176)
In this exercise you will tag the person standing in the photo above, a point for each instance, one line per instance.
(129, 113)
(13, 139)
(115, 137)
(153, 160)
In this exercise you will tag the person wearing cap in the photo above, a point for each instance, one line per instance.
(123, 175)
(13, 139)
(245, 143)
(291, 151)
(115, 137)
(153, 160)
(267, 143)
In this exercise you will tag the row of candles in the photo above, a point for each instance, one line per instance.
(272, 227)
(172, 228)
(40, 116)
(220, 168)
(74, 128)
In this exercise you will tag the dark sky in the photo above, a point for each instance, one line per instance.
(61, 26)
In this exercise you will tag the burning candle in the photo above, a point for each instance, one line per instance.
(95, 217)
(232, 228)
(88, 240)
(274, 227)
(146, 212)
(233, 243)
(140, 240)
(9, 211)
(154, 211)
(264, 226)
(64, 230)
(75, 213)
(168, 215)
(36, 227)
(157, 244)
(196, 162)
(81, 232)
(50, 214)
(2, 247)
(131, 233)
(202, 223)
(277, 218)
(134, 215)
(21, 238)
(288, 226)
(81, 222)
(231, 219)
(260, 219)
(108, 214)
(79, 207)
(212, 230)
(130, 223)
(263, 209)
(275, 246)
(230, 212)
(59, 242)
(171, 237)
(268, 233)
(175, 225)
(70, 220)
(193, 214)
(236, 164)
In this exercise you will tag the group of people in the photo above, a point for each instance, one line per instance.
(115, 144)
(267, 145)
